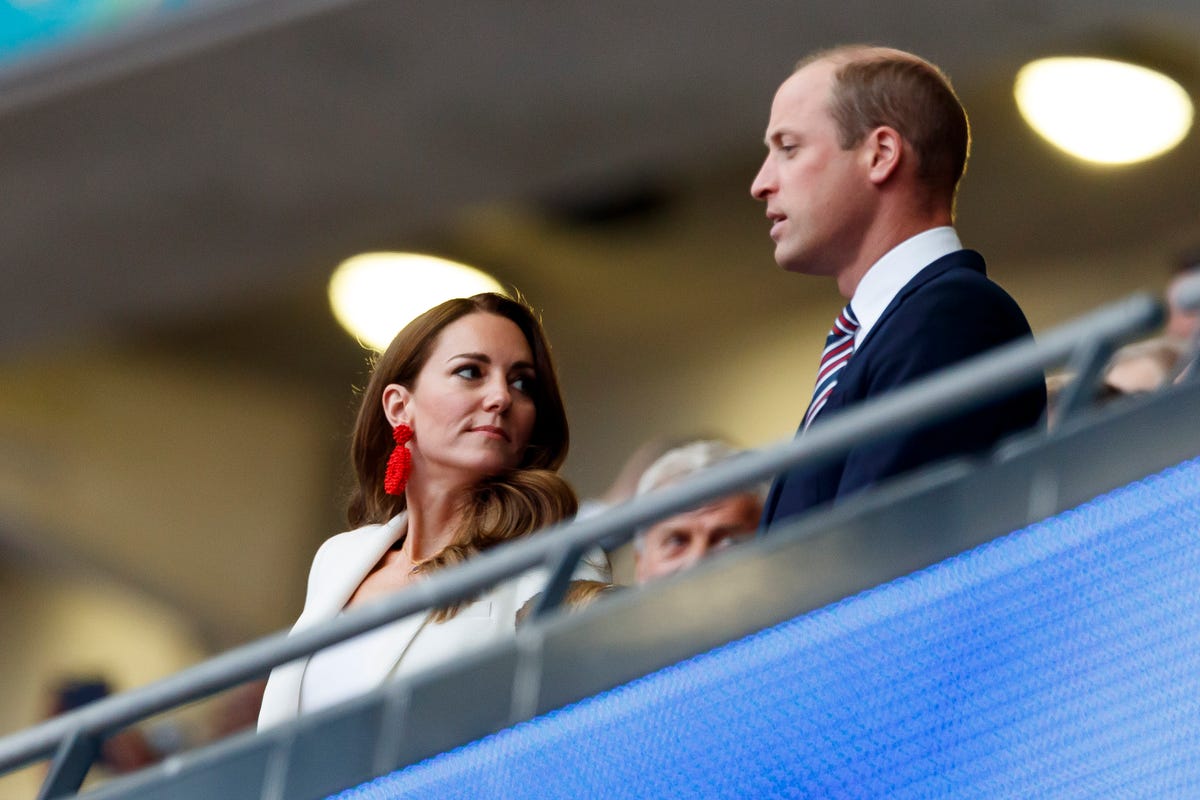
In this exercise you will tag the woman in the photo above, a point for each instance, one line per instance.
(456, 447)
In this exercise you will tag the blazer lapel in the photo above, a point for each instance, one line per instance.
(420, 643)
(347, 569)
(354, 564)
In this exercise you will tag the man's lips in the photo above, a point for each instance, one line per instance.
(493, 431)
(776, 221)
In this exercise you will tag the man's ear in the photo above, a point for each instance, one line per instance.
(396, 399)
(884, 150)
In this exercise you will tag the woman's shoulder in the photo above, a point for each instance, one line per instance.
(350, 544)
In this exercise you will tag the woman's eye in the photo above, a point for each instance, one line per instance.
(470, 371)
(523, 383)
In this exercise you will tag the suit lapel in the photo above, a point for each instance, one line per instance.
(960, 259)
(852, 374)
(847, 388)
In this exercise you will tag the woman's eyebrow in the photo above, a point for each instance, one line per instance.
(472, 356)
(486, 359)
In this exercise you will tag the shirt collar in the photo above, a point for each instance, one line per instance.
(897, 267)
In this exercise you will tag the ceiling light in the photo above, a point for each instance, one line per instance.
(1108, 112)
(374, 295)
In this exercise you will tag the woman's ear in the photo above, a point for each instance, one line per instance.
(396, 400)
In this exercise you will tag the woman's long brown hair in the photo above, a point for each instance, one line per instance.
(501, 507)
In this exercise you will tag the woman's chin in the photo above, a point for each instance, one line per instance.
(487, 468)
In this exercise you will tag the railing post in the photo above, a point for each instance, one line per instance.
(1087, 364)
(70, 766)
(560, 579)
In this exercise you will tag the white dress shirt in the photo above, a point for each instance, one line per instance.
(897, 267)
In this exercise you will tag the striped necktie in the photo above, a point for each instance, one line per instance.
(839, 346)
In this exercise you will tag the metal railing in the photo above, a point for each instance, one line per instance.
(74, 739)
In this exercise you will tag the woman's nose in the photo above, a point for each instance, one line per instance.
(499, 396)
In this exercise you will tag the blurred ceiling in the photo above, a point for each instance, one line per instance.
(178, 192)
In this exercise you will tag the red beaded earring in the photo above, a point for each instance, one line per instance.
(399, 462)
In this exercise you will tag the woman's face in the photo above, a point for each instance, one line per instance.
(471, 408)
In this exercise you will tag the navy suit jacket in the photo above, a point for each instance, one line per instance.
(949, 312)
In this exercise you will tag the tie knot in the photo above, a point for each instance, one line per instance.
(843, 330)
(846, 323)
(839, 346)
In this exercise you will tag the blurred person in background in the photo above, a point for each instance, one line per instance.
(624, 485)
(1147, 365)
(1183, 326)
(127, 750)
(620, 554)
(456, 449)
(1140, 367)
(680, 542)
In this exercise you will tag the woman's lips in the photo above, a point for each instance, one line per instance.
(492, 431)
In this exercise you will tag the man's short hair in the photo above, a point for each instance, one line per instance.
(877, 86)
(675, 465)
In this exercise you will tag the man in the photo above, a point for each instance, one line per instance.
(1147, 365)
(865, 149)
(680, 542)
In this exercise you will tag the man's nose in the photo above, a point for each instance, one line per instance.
(764, 181)
(694, 555)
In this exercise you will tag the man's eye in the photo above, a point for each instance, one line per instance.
(732, 538)
(675, 541)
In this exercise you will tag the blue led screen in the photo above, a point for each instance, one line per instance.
(31, 26)
(1062, 661)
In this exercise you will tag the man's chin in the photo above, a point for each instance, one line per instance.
(798, 264)
(789, 264)
(788, 259)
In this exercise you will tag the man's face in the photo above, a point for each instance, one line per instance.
(814, 190)
(679, 542)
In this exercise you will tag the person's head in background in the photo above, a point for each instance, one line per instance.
(1182, 325)
(1141, 367)
(624, 485)
(680, 542)
(126, 750)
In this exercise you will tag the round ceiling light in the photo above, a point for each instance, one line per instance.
(1107, 112)
(374, 295)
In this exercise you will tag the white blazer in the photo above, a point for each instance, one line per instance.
(337, 570)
